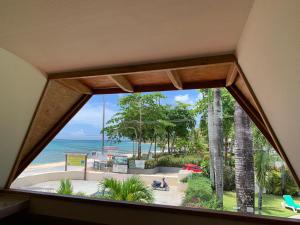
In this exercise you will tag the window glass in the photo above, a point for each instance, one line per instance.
(192, 148)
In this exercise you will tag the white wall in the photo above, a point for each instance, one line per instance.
(20, 88)
(269, 54)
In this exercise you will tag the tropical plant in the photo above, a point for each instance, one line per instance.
(132, 189)
(274, 183)
(80, 193)
(178, 160)
(199, 193)
(262, 168)
(229, 178)
(244, 163)
(65, 187)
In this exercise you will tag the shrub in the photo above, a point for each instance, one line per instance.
(274, 183)
(199, 193)
(80, 193)
(191, 176)
(178, 161)
(229, 178)
(65, 187)
(199, 189)
(131, 189)
(205, 167)
(150, 164)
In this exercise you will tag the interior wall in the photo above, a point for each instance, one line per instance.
(269, 54)
(20, 88)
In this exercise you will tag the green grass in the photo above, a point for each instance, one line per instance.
(271, 205)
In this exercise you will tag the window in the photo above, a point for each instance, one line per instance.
(192, 148)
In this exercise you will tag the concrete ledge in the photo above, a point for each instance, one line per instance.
(143, 171)
(158, 169)
(90, 176)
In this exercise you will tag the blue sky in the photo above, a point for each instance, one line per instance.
(87, 123)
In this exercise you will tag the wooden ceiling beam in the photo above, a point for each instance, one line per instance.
(167, 65)
(175, 79)
(122, 82)
(232, 74)
(164, 87)
(77, 86)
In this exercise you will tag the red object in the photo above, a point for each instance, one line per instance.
(192, 167)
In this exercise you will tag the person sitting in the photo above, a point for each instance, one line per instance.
(165, 185)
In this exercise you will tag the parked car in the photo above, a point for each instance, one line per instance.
(192, 167)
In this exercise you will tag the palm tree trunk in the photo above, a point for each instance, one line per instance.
(149, 151)
(139, 149)
(260, 193)
(244, 165)
(283, 179)
(218, 145)
(210, 143)
(155, 144)
(169, 142)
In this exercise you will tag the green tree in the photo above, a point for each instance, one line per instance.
(138, 119)
(181, 121)
(132, 189)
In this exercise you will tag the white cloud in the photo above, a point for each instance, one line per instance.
(199, 96)
(183, 98)
(92, 115)
(120, 95)
(78, 133)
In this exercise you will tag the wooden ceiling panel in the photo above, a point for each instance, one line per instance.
(98, 82)
(148, 78)
(204, 73)
(57, 100)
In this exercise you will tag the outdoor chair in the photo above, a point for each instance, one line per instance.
(290, 203)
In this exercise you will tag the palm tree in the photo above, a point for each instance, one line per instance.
(244, 166)
(132, 189)
(218, 145)
(210, 143)
(65, 187)
(262, 167)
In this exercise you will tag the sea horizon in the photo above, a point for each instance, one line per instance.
(56, 149)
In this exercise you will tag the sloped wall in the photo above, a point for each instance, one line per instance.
(269, 54)
(20, 88)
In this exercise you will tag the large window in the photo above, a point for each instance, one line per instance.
(192, 148)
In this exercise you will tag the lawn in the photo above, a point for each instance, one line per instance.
(271, 205)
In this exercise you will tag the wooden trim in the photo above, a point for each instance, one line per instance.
(270, 130)
(168, 65)
(122, 82)
(27, 159)
(119, 205)
(12, 174)
(175, 79)
(164, 87)
(76, 85)
(232, 74)
(251, 111)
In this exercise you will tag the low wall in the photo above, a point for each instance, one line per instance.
(91, 175)
(44, 177)
(163, 169)
(143, 171)
(158, 169)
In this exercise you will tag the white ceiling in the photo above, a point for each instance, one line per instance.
(75, 34)
(269, 54)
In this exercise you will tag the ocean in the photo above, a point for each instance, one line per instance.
(56, 149)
